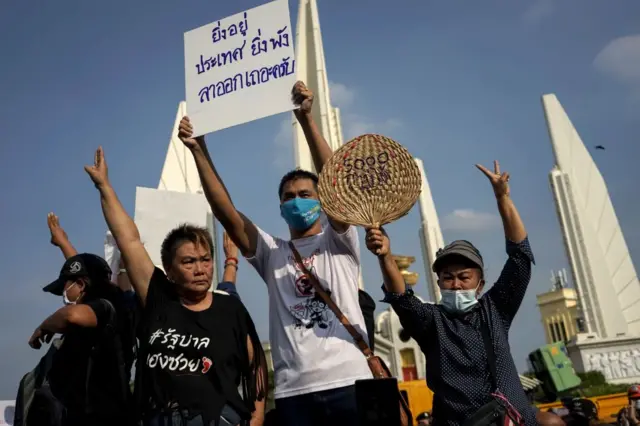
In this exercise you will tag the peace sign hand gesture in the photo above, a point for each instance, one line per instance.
(499, 181)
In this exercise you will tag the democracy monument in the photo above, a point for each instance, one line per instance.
(607, 290)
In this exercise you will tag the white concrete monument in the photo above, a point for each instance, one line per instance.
(601, 267)
(312, 69)
(430, 234)
(405, 358)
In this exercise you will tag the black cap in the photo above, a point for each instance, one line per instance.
(581, 407)
(460, 248)
(81, 265)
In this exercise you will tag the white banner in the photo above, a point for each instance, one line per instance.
(240, 68)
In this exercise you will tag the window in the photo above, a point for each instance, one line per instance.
(563, 329)
(409, 369)
(552, 333)
(556, 327)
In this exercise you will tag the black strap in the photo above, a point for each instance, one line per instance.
(485, 330)
(357, 337)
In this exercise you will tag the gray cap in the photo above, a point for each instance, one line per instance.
(460, 248)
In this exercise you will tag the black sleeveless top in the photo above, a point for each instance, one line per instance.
(196, 360)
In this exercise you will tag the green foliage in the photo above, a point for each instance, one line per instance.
(599, 390)
(592, 378)
(270, 400)
(594, 384)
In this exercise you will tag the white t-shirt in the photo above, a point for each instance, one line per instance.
(311, 349)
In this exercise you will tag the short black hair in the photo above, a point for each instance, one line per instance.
(183, 233)
(294, 175)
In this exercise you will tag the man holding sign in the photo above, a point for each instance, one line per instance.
(316, 361)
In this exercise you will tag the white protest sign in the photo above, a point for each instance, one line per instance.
(240, 68)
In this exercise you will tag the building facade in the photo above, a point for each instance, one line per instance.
(558, 309)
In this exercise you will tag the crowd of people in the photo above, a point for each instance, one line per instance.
(197, 356)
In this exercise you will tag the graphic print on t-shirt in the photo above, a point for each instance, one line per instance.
(178, 354)
(303, 286)
(312, 311)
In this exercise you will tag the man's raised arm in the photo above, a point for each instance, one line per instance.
(514, 229)
(510, 288)
(241, 230)
(320, 150)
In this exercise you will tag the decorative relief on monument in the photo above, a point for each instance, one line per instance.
(614, 365)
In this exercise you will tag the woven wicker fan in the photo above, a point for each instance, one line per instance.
(370, 181)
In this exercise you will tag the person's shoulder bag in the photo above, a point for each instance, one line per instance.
(377, 366)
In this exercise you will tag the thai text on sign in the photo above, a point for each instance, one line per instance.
(240, 68)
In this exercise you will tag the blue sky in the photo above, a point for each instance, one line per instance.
(455, 82)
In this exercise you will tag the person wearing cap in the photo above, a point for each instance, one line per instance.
(60, 239)
(450, 333)
(200, 360)
(630, 415)
(581, 412)
(87, 375)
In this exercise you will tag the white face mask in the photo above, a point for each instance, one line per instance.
(636, 404)
(459, 301)
(65, 299)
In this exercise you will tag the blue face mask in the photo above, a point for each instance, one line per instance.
(300, 213)
(459, 301)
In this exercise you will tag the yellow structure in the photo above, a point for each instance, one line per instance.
(403, 262)
(559, 312)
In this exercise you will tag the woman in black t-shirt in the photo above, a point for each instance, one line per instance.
(197, 348)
